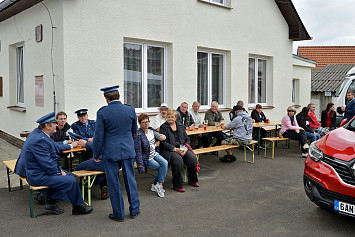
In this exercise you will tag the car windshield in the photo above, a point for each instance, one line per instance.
(341, 87)
(351, 125)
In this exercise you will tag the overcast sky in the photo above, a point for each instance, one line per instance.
(329, 22)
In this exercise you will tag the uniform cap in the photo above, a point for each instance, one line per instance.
(110, 89)
(46, 118)
(81, 111)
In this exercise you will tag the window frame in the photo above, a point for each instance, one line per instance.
(216, 3)
(294, 92)
(256, 58)
(18, 103)
(209, 77)
(144, 55)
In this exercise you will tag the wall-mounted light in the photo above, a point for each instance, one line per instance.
(39, 33)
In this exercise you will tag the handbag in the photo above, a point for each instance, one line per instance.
(198, 167)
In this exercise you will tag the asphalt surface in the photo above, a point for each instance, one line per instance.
(234, 199)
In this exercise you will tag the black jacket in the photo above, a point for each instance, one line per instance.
(324, 118)
(167, 146)
(255, 116)
(302, 122)
(60, 135)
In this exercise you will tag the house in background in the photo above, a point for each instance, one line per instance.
(55, 55)
(333, 63)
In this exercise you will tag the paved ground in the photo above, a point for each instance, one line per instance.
(237, 199)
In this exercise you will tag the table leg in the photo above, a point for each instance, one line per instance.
(273, 150)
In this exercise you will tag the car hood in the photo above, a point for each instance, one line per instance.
(339, 143)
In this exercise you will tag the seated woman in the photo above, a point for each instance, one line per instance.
(145, 142)
(303, 121)
(93, 165)
(170, 150)
(258, 116)
(291, 130)
(328, 118)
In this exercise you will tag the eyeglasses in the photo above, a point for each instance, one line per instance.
(291, 111)
(145, 122)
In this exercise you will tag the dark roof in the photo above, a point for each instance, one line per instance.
(330, 77)
(325, 55)
(297, 31)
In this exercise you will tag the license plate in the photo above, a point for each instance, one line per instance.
(344, 207)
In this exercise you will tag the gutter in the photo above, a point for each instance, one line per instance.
(4, 4)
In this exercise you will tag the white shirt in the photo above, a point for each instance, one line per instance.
(196, 116)
(158, 121)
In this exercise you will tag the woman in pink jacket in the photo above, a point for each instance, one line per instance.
(290, 129)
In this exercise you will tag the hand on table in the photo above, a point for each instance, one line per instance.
(223, 126)
(82, 143)
(63, 173)
(90, 139)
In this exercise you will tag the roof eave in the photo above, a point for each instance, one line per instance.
(297, 31)
(16, 8)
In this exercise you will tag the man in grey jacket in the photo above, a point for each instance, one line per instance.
(242, 135)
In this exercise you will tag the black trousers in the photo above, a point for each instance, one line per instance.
(196, 141)
(263, 134)
(177, 166)
(219, 135)
(302, 137)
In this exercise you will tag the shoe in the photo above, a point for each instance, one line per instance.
(225, 158)
(179, 189)
(262, 147)
(160, 191)
(194, 184)
(112, 217)
(104, 193)
(82, 210)
(53, 209)
(133, 217)
(39, 198)
(305, 146)
(155, 189)
(232, 158)
(304, 155)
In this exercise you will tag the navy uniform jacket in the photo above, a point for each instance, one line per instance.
(20, 168)
(114, 132)
(80, 129)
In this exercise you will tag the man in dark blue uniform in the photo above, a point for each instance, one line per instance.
(84, 126)
(41, 169)
(116, 124)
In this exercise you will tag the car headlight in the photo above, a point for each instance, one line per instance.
(315, 153)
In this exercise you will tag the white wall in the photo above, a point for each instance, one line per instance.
(20, 30)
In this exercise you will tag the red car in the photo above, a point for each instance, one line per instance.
(329, 173)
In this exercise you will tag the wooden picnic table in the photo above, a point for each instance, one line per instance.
(263, 124)
(74, 150)
(202, 130)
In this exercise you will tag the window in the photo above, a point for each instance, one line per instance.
(218, 2)
(20, 93)
(144, 75)
(210, 77)
(294, 92)
(257, 81)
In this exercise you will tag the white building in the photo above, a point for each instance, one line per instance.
(157, 51)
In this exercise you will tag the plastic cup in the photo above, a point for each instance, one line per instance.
(182, 147)
(267, 120)
(280, 135)
(205, 127)
(196, 126)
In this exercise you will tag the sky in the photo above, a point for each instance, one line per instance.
(329, 22)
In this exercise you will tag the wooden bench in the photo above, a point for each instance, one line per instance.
(272, 140)
(87, 178)
(225, 147)
(10, 166)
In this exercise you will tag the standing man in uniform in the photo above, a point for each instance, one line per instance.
(116, 124)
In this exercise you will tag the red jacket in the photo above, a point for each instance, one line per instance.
(313, 121)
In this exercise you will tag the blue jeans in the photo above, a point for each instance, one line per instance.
(313, 137)
(160, 164)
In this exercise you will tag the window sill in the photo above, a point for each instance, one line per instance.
(264, 107)
(214, 4)
(297, 106)
(200, 111)
(17, 108)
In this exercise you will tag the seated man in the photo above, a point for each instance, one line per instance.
(201, 139)
(213, 115)
(313, 121)
(232, 112)
(161, 117)
(84, 126)
(41, 169)
(185, 117)
(62, 136)
(94, 165)
(242, 135)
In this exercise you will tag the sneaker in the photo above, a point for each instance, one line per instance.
(225, 158)
(160, 191)
(53, 209)
(81, 209)
(305, 146)
(104, 193)
(304, 155)
(155, 188)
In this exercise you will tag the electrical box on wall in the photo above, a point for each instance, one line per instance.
(39, 33)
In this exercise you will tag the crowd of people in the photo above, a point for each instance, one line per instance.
(114, 141)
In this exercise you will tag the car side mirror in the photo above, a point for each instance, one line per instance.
(343, 122)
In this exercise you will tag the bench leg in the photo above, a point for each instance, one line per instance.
(8, 179)
(245, 153)
(83, 181)
(31, 203)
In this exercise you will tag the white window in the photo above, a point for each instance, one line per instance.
(144, 75)
(20, 92)
(294, 92)
(210, 77)
(218, 2)
(257, 81)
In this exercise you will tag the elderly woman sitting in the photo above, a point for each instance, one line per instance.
(171, 150)
(290, 129)
(145, 142)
